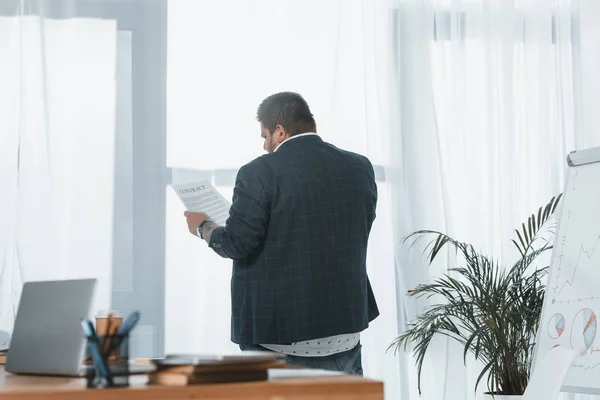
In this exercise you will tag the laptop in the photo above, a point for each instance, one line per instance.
(47, 338)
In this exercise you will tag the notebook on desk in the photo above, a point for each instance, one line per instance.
(247, 357)
(47, 337)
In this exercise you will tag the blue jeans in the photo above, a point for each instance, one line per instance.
(349, 361)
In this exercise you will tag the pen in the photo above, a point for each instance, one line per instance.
(90, 333)
(124, 330)
(108, 337)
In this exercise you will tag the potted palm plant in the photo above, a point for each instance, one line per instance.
(492, 310)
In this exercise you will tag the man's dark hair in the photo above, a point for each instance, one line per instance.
(289, 110)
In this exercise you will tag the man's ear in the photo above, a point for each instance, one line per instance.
(280, 133)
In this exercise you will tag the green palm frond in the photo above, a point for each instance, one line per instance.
(492, 310)
(528, 234)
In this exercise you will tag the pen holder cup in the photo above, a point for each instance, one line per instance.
(112, 370)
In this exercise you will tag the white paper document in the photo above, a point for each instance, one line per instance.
(203, 197)
(283, 373)
(549, 373)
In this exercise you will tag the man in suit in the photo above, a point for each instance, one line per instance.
(297, 233)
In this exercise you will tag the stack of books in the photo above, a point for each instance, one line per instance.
(4, 347)
(182, 370)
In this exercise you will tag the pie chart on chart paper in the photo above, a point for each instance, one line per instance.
(583, 332)
(556, 326)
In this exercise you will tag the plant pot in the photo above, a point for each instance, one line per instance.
(489, 396)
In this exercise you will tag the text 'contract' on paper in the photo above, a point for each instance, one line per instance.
(203, 197)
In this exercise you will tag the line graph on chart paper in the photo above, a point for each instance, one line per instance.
(567, 276)
(577, 258)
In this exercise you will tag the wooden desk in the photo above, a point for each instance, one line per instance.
(331, 388)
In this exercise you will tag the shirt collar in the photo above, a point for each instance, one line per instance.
(294, 137)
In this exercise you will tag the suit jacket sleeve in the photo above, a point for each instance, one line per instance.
(373, 187)
(246, 228)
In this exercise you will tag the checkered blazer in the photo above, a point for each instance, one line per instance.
(297, 232)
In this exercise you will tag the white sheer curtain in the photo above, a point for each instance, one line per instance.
(493, 95)
(224, 58)
(57, 104)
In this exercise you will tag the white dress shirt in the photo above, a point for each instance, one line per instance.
(295, 137)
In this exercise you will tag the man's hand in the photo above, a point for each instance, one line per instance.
(194, 219)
